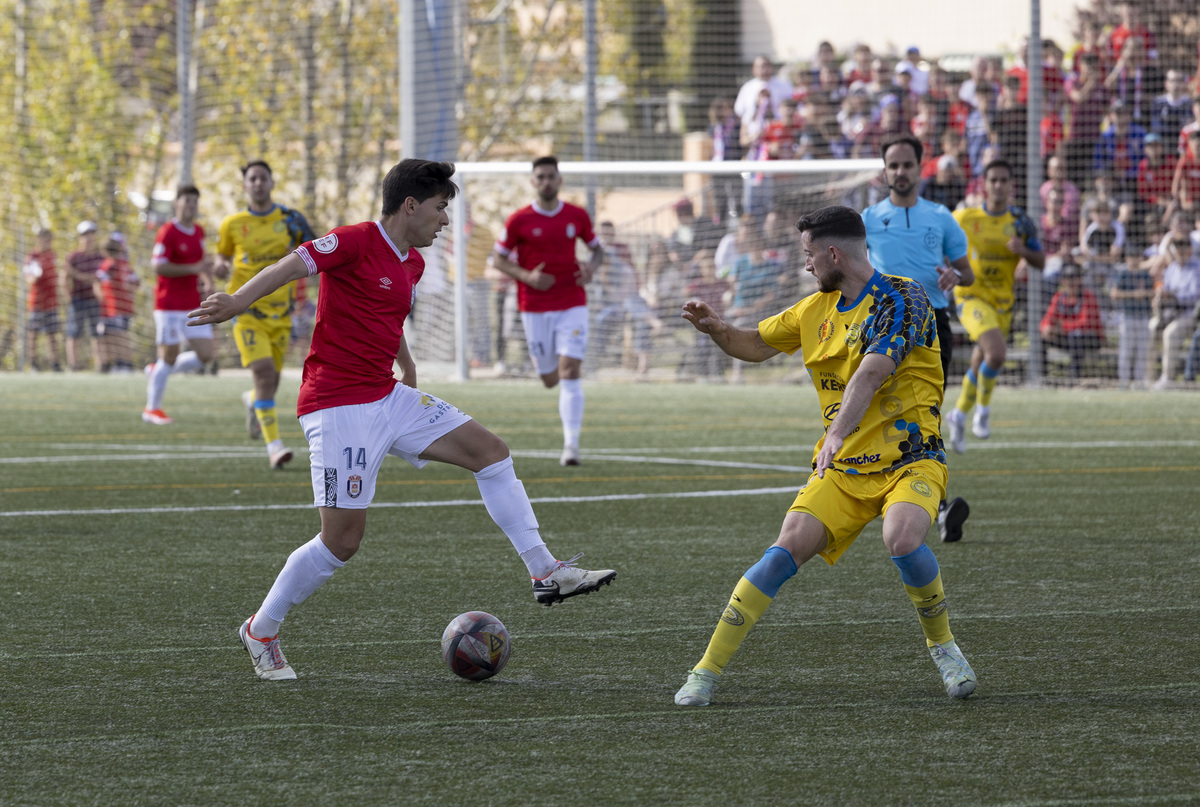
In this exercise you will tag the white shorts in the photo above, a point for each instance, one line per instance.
(550, 334)
(170, 328)
(347, 444)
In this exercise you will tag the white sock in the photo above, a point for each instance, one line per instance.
(156, 386)
(306, 569)
(570, 409)
(187, 363)
(982, 410)
(508, 504)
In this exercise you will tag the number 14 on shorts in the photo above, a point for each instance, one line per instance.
(355, 457)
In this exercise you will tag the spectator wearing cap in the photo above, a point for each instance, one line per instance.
(115, 286)
(947, 187)
(1156, 173)
(1072, 321)
(911, 64)
(980, 132)
(746, 105)
(83, 309)
(905, 93)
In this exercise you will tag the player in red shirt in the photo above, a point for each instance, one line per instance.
(550, 293)
(355, 412)
(181, 267)
(42, 276)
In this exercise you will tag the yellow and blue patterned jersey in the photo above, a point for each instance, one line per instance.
(991, 261)
(257, 240)
(891, 316)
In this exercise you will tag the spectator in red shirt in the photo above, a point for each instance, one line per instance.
(1186, 183)
(1186, 131)
(1132, 27)
(860, 68)
(115, 286)
(42, 304)
(1090, 42)
(1072, 322)
(1051, 129)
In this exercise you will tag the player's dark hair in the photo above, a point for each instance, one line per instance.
(902, 138)
(420, 179)
(253, 163)
(547, 160)
(187, 190)
(835, 221)
(999, 162)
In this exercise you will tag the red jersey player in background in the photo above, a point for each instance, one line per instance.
(550, 291)
(115, 286)
(180, 265)
(355, 412)
(42, 276)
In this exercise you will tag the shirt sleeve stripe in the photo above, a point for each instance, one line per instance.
(308, 261)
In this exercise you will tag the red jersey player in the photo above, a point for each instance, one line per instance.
(550, 291)
(179, 262)
(354, 412)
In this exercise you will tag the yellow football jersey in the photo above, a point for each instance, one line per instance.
(991, 261)
(257, 240)
(892, 316)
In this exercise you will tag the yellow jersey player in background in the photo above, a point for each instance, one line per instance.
(250, 241)
(999, 239)
(870, 344)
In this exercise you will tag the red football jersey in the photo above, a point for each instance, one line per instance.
(540, 237)
(367, 290)
(174, 244)
(43, 292)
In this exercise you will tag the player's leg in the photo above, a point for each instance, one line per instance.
(571, 339)
(262, 344)
(167, 338)
(908, 511)
(51, 328)
(539, 340)
(824, 519)
(73, 334)
(31, 332)
(456, 439)
(992, 345)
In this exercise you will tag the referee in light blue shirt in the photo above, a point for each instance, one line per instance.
(911, 237)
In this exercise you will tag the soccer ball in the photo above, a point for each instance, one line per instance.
(475, 645)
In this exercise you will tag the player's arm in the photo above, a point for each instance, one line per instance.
(530, 277)
(874, 369)
(222, 264)
(220, 307)
(587, 270)
(168, 269)
(741, 343)
(958, 273)
(408, 367)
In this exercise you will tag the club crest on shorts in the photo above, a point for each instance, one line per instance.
(921, 487)
(354, 486)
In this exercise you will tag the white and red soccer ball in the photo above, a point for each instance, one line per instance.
(475, 645)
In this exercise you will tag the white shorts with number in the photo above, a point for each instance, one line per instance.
(550, 334)
(347, 444)
(171, 328)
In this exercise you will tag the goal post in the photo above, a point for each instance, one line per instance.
(639, 198)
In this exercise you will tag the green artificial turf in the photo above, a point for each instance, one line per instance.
(129, 554)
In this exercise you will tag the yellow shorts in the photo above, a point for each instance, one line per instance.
(846, 503)
(978, 317)
(262, 338)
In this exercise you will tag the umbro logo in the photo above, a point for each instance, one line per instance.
(385, 283)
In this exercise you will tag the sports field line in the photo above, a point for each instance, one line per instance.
(639, 715)
(629, 633)
(615, 497)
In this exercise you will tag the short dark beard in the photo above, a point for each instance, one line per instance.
(831, 283)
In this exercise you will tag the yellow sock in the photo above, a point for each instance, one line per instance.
(269, 423)
(966, 398)
(930, 602)
(745, 607)
(987, 384)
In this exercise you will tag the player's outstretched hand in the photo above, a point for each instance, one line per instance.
(219, 307)
(702, 316)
